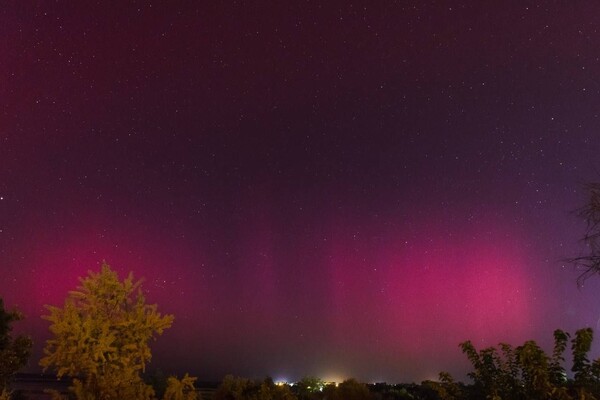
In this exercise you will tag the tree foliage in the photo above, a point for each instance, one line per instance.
(236, 388)
(309, 388)
(447, 388)
(350, 389)
(100, 339)
(527, 372)
(14, 352)
(180, 389)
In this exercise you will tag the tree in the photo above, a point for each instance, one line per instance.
(351, 389)
(447, 388)
(527, 372)
(236, 388)
(101, 335)
(589, 261)
(181, 389)
(14, 352)
(309, 388)
(271, 391)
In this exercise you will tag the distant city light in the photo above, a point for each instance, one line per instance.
(333, 380)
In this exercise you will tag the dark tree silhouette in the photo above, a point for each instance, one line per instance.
(589, 260)
(14, 352)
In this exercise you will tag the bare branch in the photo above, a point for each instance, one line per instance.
(590, 262)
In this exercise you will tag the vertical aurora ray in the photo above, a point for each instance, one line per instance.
(421, 297)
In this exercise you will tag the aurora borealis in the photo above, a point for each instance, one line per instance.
(319, 188)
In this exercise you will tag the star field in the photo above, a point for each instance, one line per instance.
(320, 188)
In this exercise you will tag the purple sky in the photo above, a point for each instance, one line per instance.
(332, 189)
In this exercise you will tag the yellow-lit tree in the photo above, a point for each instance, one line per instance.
(100, 337)
(181, 389)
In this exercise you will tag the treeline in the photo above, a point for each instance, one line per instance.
(527, 372)
(505, 372)
(100, 344)
(235, 388)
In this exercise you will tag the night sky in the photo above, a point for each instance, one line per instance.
(312, 188)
